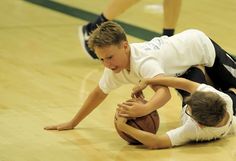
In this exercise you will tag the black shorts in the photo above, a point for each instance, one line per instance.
(193, 74)
(223, 72)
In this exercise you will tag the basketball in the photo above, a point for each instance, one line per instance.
(149, 123)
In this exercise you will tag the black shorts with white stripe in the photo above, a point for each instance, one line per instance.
(223, 72)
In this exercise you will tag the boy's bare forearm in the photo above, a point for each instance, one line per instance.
(150, 140)
(159, 99)
(92, 101)
(175, 82)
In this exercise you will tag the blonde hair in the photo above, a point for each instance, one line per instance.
(109, 33)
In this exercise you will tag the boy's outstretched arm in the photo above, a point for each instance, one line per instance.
(93, 100)
(175, 82)
(150, 140)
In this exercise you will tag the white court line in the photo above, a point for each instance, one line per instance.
(83, 92)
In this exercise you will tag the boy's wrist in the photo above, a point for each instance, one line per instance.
(123, 126)
(73, 123)
(146, 81)
(149, 107)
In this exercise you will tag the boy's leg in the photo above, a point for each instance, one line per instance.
(113, 9)
(223, 72)
(171, 15)
(85, 31)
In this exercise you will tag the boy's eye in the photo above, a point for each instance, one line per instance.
(107, 58)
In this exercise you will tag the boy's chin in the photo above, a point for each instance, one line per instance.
(117, 70)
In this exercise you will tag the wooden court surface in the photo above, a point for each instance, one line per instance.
(45, 77)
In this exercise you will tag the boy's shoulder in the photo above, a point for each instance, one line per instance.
(152, 45)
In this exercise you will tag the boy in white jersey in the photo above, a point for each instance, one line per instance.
(128, 63)
(207, 113)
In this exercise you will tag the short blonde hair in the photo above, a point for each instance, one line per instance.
(109, 33)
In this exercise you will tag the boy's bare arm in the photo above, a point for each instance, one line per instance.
(150, 140)
(93, 100)
(160, 98)
(175, 82)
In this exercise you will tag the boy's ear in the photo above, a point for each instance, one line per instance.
(125, 44)
(200, 125)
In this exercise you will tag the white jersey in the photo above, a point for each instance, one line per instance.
(190, 130)
(162, 55)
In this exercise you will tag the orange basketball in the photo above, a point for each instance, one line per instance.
(149, 123)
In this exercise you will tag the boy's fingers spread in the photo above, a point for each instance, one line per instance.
(123, 115)
(123, 111)
(130, 100)
(130, 103)
(50, 128)
(133, 95)
(60, 129)
(123, 107)
(142, 96)
(117, 109)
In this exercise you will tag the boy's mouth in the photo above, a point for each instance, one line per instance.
(114, 68)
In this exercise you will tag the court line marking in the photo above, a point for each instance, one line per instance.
(132, 30)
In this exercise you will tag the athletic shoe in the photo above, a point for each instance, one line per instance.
(84, 36)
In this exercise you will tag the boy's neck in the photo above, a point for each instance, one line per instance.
(128, 57)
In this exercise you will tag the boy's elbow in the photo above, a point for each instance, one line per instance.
(153, 145)
(168, 97)
(157, 146)
(159, 142)
(153, 142)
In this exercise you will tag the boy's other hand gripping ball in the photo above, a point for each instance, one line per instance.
(149, 123)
